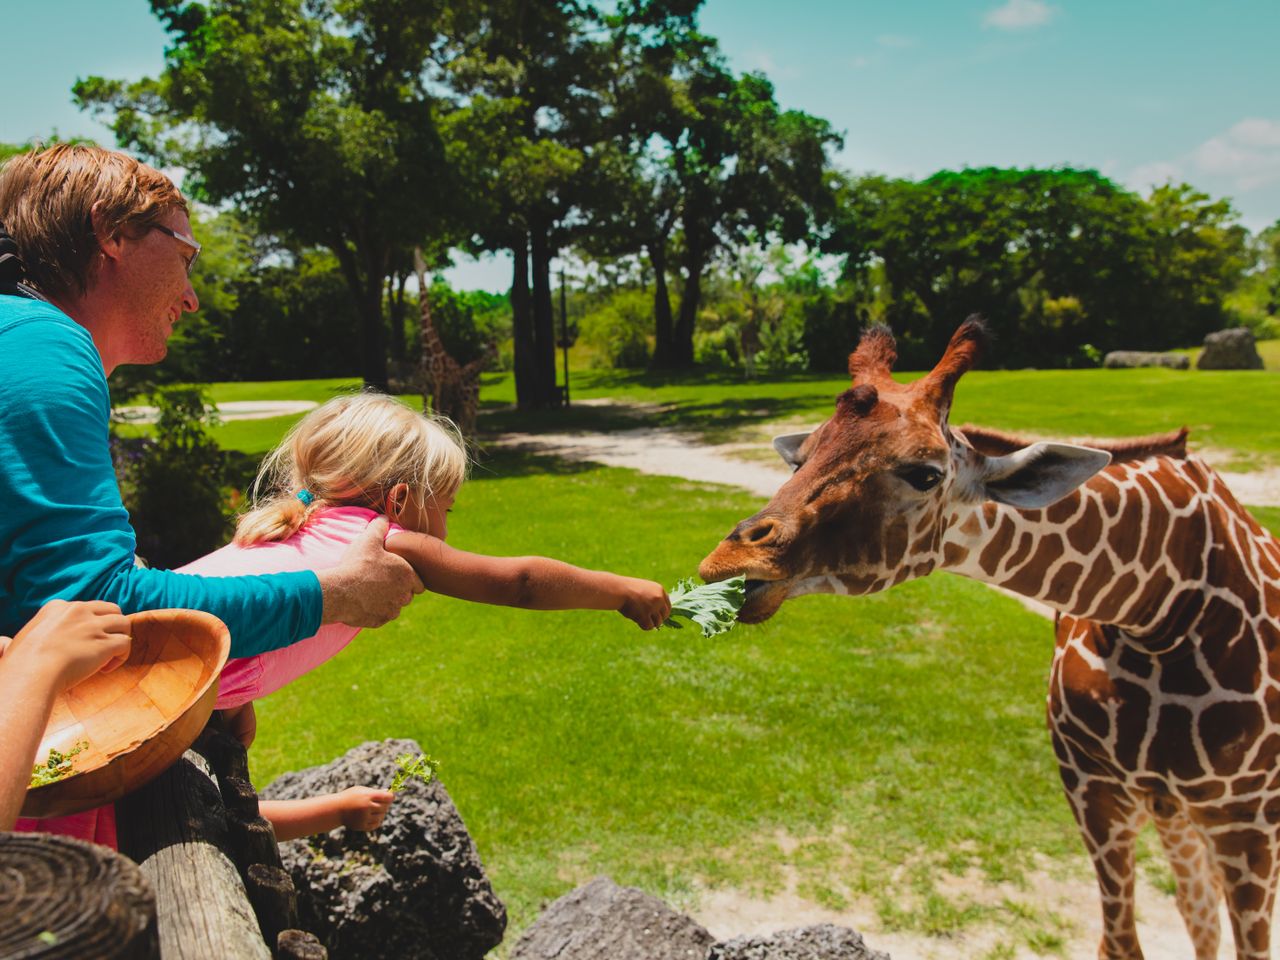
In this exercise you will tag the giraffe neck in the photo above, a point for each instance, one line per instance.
(432, 346)
(1140, 546)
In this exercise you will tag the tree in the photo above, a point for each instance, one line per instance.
(1006, 243)
(318, 118)
(531, 74)
(741, 170)
(1195, 255)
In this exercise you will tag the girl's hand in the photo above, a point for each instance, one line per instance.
(644, 602)
(363, 808)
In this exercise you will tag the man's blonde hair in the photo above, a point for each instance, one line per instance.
(350, 452)
(46, 199)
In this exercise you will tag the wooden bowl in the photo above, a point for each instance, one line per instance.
(137, 719)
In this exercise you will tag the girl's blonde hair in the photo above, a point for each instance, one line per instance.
(350, 452)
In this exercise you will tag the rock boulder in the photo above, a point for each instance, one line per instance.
(603, 921)
(822, 942)
(1232, 349)
(1143, 358)
(414, 888)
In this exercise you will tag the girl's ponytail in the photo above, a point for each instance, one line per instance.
(276, 519)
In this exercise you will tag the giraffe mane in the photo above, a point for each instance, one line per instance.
(996, 443)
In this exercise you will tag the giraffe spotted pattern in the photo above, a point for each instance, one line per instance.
(1164, 693)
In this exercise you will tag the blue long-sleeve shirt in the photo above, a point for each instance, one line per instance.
(64, 533)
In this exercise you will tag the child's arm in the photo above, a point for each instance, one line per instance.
(63, 644)
(356, 808)
(535, 583)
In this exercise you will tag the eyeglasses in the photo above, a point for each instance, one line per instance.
(187, 240)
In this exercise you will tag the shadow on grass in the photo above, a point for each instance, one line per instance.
(716, 421)
(503, 463)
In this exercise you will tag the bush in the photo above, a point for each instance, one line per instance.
(173, 484)
(717, 349)
(619, 330)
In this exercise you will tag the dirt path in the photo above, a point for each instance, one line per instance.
(1067, 891)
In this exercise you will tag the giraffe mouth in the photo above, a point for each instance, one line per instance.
(763, 598)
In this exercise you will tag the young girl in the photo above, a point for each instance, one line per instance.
(352, 460)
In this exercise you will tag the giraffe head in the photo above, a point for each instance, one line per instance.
(878, 485)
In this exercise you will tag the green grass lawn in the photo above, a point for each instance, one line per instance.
(906, 728)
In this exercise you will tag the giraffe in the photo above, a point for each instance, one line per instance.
(449, 388)
(1164, 692)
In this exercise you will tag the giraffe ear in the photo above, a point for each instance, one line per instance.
(788, 447)
(1040, 474)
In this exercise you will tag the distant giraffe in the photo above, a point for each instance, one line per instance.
(1164, 694)
(448, 389)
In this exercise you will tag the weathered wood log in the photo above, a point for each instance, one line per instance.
(61, 897)
(273, 898)
(300, 945)
(253, 842)
(175, 829)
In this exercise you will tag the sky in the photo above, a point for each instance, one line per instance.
(1143, 91)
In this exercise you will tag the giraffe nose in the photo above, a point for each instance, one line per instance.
(757, 531)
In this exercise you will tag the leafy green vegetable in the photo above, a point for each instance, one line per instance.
(712, 606)
(57, 767)
(422, 767)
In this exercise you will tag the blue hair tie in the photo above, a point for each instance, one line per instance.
(306, 496)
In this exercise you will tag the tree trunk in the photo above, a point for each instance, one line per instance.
(544, 326)
(522, 326)
(663, 335)
(364, 280)
(396, 285)
(682, 342)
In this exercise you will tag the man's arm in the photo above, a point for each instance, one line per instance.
(66, 534)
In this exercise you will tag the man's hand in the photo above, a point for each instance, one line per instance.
(370, 586)
(73, 641)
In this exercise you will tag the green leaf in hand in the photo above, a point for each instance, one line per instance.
(420, 767)
(712, 606)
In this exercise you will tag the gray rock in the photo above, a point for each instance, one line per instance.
(603, 921)
(1143, 358)
(414, 888)
(822, 942)
(1232, 349)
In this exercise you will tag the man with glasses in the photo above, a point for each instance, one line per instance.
(96, 253)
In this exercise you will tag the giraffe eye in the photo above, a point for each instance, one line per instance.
(921, 477)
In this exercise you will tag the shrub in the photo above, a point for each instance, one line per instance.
(172, 484)
(618, 331)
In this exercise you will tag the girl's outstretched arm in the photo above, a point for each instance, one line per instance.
(356, 808)
(535, 583)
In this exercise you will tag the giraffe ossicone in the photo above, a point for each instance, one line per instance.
(1164, 698)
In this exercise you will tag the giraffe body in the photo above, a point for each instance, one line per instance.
(1164, 696)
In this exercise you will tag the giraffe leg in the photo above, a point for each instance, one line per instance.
(1109, 822)
(1246, 862)
(1198, 889)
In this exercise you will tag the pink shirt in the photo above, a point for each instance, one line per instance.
(320, 544)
